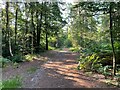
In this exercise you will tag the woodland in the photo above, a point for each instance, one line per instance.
(90, 29)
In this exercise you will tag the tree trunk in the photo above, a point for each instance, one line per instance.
(112, 41)
(32, 32)
(10, 48)
(39, 30)
(1, 32)
(16, 22)
(46, 40)
(26, 22)
(46, 31)
(7, 21)
(26, 30)
(7, 28)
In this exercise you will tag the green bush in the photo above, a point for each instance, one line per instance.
(105, 70)
(106, 46)
(29, 57)
(3, 61)
(117, 45)
(68, 43)
(76, 49)
(51, 48)
(90, 62)
(17, 58)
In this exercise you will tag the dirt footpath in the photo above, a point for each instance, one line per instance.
(59, 71)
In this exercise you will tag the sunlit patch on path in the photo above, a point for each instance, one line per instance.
(64, 68)
(57, 71)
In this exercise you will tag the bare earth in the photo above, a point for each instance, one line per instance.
(54, 69)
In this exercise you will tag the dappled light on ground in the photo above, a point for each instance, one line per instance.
(60, 68)
(54, 69)
(67, 69)
(40, 58)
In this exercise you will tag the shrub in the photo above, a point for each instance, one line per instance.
(51, 48)
(76, 49)
(105, 70)
(29, 57)
(117, 45)
(3, 61)
(90, 62)
(17, 58)
(68, 43)
(106, 46)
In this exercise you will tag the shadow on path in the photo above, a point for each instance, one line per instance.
(58, 71)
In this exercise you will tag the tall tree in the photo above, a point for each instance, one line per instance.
(112, 41)
(8, 28)
(46, 30)
(39, 24)
(16, 16)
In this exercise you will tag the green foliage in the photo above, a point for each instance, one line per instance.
(5, 52)
(76, 49)
(106, 70)
(61, 39)
(17, 58)
(12, 83)
(29, 57)
(0, 85)
(117, 45)
(51, 48)
(90, 62)
(4, 61)
(68, 43)
(105, 46)
(28, 34)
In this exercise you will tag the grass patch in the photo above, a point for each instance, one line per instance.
(15, 82)
(32, 70)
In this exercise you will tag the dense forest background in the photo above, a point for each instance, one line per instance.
(91, 29)
(95, 33)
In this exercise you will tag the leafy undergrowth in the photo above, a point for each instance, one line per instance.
(51, 48)
(3, 62)
(99, 60)
(76, 49)
(32, 57)
(29, 57)
(106, 79)
(15, 82)
(113, 81)
(19, 58)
